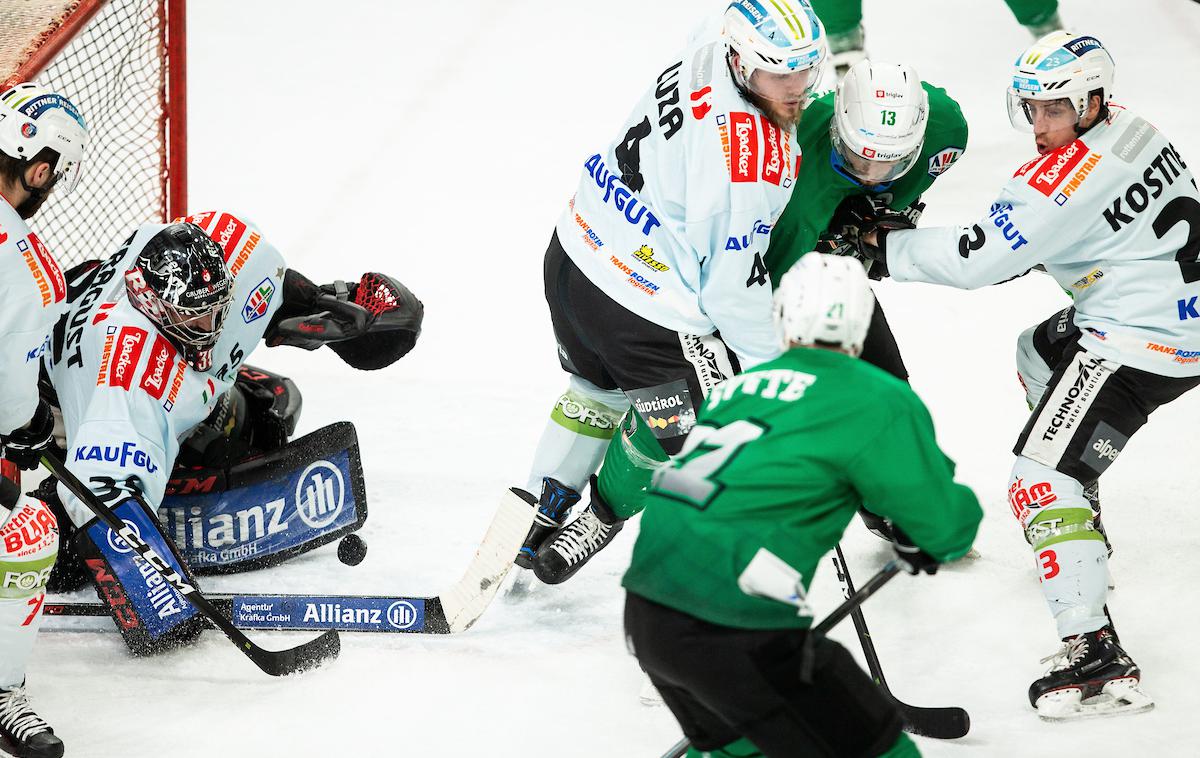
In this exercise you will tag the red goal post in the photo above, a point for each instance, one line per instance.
(123, 63)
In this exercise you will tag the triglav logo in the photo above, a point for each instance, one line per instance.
(118, 544)
(320, 493)
(402, 614)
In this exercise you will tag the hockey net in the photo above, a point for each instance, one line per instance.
(122, 63)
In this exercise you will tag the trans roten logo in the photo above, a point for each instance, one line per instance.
(320, 494)
(402, 614)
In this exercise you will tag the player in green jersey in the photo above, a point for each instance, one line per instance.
(843, 23)
(771, 475)
(873, 146)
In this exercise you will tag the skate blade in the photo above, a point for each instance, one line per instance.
(648, 696)
(1120, 697)
(522, 584)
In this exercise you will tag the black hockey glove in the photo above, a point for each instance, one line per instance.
(24, 446)
(911, 558)
(370, 323)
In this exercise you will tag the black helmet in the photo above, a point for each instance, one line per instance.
(180, 281)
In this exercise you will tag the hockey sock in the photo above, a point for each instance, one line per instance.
(1072, 560)
(150, 614)
(903, 747)
(28, 547)
(629, 463)
(579, 429)
(1028, 12)
(839, 16)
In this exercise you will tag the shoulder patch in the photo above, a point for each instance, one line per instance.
(941, 161)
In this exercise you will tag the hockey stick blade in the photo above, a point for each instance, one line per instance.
(455, 610)
(946, 723)
(273, 662)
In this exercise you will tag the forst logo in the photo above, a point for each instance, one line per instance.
(26, 580)
(320, 494)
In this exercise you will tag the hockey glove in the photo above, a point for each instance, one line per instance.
(370, 323)
(24, 446)
(910, 557)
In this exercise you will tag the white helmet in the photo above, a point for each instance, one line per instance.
(32, 118)
(878, 125)
(776, 36)
(824, 299)
(1060, 65)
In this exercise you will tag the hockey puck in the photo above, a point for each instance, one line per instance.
(352, 550)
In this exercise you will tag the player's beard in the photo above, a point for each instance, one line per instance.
(778, 113)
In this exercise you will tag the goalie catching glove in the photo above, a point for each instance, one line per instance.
(371, 323)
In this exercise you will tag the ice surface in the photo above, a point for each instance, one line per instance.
(438, 142)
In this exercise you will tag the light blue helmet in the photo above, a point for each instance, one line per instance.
(777, 36)
(1060, 65)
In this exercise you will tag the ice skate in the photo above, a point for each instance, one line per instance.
(552, 508)
(1090, 676)
(575, 544)
(23, 732)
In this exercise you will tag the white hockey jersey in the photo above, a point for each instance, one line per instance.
(33, 295)
(1114, 217)
(127, 395)
(672, 219)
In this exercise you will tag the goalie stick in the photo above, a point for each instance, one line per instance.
(849, 606)
(455, 610)
(945, 723)
(274, 662)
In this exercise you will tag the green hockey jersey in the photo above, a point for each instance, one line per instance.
(781, 458)
(820, 188)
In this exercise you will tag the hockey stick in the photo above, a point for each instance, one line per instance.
(848, 607)
(276, 663)
(453, 611)
(946, 723)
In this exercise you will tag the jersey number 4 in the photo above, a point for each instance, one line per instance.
(706, 453)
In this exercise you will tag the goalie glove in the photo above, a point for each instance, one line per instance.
(371, 323)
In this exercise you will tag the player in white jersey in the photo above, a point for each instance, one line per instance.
(1111, 211)
(153, 337)
(654, 275)
(42, 136)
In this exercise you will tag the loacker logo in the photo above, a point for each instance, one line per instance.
(158, 368)
(227, 232)
(1058, 166)
(126, 352)
(744, 163)
(773, 159)
(50, 267)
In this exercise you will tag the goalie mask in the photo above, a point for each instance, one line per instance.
(180, 282)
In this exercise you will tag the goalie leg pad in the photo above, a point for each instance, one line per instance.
(151, 615)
